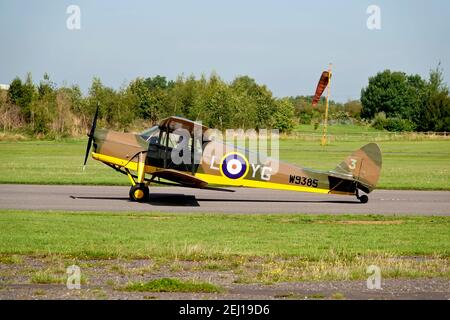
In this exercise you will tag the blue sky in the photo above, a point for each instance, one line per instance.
(283, 44)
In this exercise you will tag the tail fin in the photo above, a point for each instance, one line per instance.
(364, 165)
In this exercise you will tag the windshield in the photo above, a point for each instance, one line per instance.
(149, 133)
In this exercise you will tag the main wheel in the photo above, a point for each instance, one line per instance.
(139, 193)
(363, 198)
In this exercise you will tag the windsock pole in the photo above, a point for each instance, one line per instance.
(325, 121)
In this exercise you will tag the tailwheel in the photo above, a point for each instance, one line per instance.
(139, 192)
(364, 198)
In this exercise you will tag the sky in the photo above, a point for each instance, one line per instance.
(282, 44)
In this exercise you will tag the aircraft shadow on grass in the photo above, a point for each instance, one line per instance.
(182, 200)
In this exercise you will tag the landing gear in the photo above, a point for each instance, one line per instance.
(139, 192)
(364, 198)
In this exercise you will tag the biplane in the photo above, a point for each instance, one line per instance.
(147, 158)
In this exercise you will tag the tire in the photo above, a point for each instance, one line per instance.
(139, 193)
(363, 198)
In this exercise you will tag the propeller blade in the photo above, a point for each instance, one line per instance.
(88, 148)
(91, 137)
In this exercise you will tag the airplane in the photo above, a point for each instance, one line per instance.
(147, 158)
(206, 163)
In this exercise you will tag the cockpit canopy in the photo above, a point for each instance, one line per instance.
(170, 125)
(183, 136)
(173, 123)
(149, 133)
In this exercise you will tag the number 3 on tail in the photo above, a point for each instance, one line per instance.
(352, 165)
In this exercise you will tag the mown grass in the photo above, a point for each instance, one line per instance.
(172, 285)
(256, 248)
(52, 162)
(214, 236)
(406, 164)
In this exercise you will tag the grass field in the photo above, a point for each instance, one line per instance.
(253, 248)
(265, 248)
(140, 235)
(406, 164)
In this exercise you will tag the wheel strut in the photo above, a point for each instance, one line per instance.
(139, 190)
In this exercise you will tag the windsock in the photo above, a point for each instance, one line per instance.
(323, 82)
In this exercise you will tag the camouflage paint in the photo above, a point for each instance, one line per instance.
(361, 170)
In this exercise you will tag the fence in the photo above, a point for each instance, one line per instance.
(372, 136)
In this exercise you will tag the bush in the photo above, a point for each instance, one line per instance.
(395, 124)
(379, 121)
(399, 125)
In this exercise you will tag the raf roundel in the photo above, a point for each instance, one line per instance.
(234, 166)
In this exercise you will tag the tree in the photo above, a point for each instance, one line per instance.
(283, 117)
(15, 91)
(118, 109)
(46, 86)
(158, 82)
(43, 111)
(264, 103)
(152, 96)
(22, 94)
(184, 97)
(353, 108)
(28, 95)
(394, 93)
(215, 103)
(243, 110)
(407, 101)
(435, 114)
(125, 112)
(10, 114)
(145, 107)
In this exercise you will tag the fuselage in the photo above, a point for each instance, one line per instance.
(214, 165)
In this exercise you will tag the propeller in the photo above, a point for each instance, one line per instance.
(91, 137)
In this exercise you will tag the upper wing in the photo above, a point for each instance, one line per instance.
(180, 177)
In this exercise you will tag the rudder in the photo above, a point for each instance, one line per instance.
(364, 165)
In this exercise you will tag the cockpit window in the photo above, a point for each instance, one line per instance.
(151, 135)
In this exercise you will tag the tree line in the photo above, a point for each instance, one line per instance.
(396, 101)
(392, 101)
(44, 109)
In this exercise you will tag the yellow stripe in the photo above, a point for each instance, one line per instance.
(256, 184)
(130, 165)
(133, 165)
